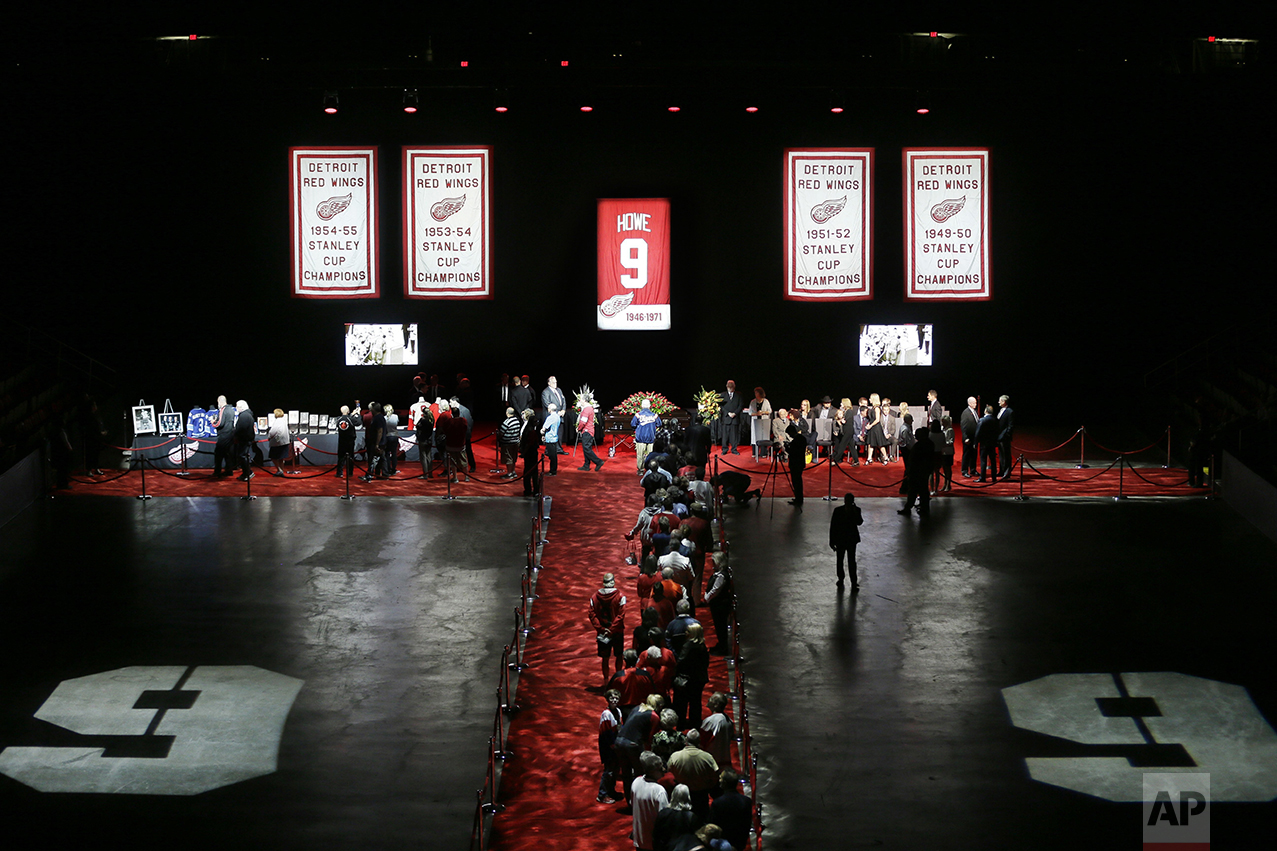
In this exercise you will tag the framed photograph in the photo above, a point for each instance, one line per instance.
(171, 422)
(144, 419)
(262, 424)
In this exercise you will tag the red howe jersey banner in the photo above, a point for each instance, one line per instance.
(332, 210)
(946, 202)
(447, 222)
(828, 224)
(634, 264)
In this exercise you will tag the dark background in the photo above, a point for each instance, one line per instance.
(148, 215)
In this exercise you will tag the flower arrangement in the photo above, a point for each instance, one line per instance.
(584, 396)
(708, 403)
(634, 403)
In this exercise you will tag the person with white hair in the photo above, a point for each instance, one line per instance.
(550, 436)
(245, 435)
(675, 820)
(644, 424)
(648, 796)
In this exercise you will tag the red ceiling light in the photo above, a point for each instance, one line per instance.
(933, 33)
(751, 109)
(671, 109)
(502, 108)
(465, 64)
(1210, 38)
(193, 36)
(587, 109)
(835, 109)
(563, 63)
(330, 103)
(922, 110)
(410, 101)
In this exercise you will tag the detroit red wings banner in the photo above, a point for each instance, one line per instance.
(946, 200)
(333, 213)
(828, 224)
(634, 264)
(447, 200)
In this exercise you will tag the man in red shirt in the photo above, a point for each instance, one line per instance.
(585, 431)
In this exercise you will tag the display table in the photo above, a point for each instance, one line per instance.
(312, 450)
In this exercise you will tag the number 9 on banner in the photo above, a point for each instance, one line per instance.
(634, 256)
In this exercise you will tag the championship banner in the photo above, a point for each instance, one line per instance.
(828, 224)
(332, 207)
(447, 215)
(947, 224)
(634, 264)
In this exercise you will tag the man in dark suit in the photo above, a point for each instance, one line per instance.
(918, 467)
(224, 422)
(552, 395)
(986, 438)
(521, 396)
(934, 409)
(967, 422)
(1005, 427)
(844, 534)
(729, 413)
(698, 441)
(797, 449)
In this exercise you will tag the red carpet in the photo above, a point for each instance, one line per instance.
(549, 787)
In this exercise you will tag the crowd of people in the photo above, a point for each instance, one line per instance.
(666, 743)
(873, 431)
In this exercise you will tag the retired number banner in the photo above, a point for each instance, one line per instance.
(447, 200)
(333, 211)
(947, 224)
(828, 224)
(634, 264)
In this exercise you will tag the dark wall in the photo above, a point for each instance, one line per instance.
(151, 229)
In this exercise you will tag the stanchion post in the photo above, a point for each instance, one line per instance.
(1167, 465)
(448, 473)
(1121, 462)
(1210, 471)
(248, 488)
(345, 474)
(1081, 461)
(1021, 497)
(829, 487)
(143, 494)
(518, 664)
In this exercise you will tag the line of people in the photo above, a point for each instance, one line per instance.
(667, 745)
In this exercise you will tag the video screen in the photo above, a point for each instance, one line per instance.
(895, 345)
(381, 345)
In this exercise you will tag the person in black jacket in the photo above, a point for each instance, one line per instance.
(986, 438)
(245, 437)
(426, 441)
(347, 430)
(530, 451)
(797, 463)
(844, 535)
(729, 413)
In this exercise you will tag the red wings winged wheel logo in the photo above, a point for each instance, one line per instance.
(947, 209)
(327, 209)
(441, 210)
(826, 210)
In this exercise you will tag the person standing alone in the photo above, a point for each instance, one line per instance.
(844, 535)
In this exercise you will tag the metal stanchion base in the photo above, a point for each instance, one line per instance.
(503, 755)
(246, 498)
(144, 496)
(1081, 466)
(489, 809)
(447, 496)
(510, 708)
(518, 666)
(347, 496)
(1119, 498)
(1020, 498)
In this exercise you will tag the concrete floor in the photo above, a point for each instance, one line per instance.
(393, 613)
(880, 718)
